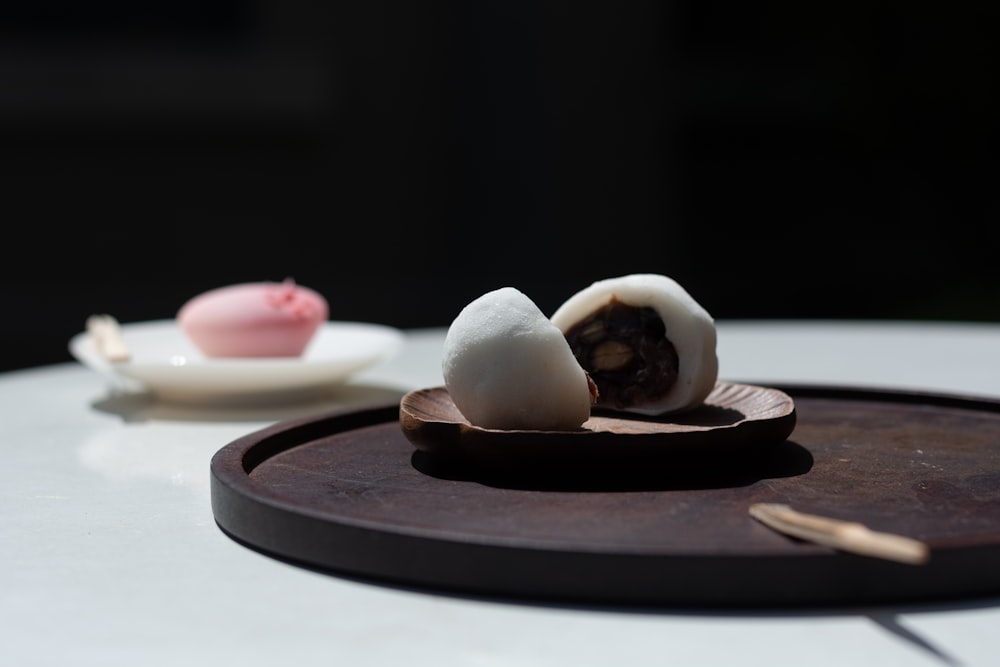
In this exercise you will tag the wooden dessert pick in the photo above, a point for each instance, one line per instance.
(108, 338)
(844, 535)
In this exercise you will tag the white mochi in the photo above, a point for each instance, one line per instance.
(506, 366)
(689, 328)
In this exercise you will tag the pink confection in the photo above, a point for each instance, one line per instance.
(265, 319)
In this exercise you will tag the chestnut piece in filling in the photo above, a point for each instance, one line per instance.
(626, 352)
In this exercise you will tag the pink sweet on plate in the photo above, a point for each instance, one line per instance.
(264, 319)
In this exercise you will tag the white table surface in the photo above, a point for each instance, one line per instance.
(109, 553)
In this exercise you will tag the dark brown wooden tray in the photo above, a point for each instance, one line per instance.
(348, 493)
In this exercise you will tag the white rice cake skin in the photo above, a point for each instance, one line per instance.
(688, 326)
(506, 366)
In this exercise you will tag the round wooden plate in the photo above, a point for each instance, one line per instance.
(736, 420)
(348, 493)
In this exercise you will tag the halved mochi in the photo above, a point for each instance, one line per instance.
(646, 343)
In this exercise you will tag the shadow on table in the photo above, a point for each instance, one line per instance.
(886, 616)
(139, 407)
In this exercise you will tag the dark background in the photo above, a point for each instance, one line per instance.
(780, 159)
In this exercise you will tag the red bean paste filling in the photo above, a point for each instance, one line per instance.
(626, 352)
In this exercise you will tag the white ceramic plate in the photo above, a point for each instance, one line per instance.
(165, 363)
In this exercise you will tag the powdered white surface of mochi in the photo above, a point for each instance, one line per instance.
(506, 366)
(689, 327)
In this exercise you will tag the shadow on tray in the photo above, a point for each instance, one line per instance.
(689, 469)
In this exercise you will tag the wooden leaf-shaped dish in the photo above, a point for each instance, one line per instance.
(736, 420)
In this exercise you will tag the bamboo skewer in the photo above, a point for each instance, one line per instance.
(108, 338)
(844, 535)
